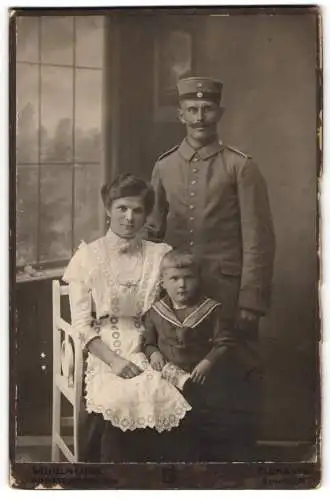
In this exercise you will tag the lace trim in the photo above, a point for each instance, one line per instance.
(145, 294)
(84, 268)
(162, 414)
(161, 423)
(122, 245)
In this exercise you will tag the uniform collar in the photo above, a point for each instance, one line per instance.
(188, 152)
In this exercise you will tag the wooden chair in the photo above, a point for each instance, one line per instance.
(67, 376)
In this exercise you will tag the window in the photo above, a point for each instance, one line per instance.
(58, 136)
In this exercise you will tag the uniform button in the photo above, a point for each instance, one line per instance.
(195, 159)
(191, 243)
(192, 194)
(191, 207)
(194, 170)
(191, 230)
(192, 218)
(193, 182)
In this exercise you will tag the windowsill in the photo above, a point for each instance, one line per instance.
(22, 277)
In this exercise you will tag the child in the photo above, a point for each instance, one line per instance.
(187, 329)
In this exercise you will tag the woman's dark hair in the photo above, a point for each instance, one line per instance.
(128, 185)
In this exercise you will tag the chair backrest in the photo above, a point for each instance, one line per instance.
(67, 346)
(67, 370)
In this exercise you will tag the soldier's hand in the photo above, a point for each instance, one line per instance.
(249, 315)
(248, 319)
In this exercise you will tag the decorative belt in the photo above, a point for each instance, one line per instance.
(98, 323)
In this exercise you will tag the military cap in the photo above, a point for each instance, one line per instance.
(200, 88)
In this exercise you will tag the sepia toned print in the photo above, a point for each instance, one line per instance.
(113, 370)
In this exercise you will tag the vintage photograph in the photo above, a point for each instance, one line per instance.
(165, 314)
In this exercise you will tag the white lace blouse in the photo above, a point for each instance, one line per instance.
(111, 270)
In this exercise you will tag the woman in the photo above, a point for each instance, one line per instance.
(118, 276)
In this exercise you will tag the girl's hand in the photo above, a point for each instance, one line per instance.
(157, 361)
(201, 371)
(124, 368)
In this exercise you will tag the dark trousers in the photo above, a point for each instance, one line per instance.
(242, 376)
(224, 421)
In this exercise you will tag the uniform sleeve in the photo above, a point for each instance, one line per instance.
(77, 276)
(223, 336)
(257, 237)
(156, 223)
(150, 336)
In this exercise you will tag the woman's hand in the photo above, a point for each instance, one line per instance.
(201, 371)
(124, 368)
(157, 361)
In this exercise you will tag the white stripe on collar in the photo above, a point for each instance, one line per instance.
(193, 319)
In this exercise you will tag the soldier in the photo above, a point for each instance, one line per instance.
(212, 199)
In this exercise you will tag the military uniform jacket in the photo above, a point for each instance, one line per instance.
(214, 201)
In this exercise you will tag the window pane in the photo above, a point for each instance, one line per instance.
(26, 113)
(26, 214)
(57, 39)
(89, 211)
(27, 38)
(89, 41)
(88, 115)
(56, 114)
(55, 213)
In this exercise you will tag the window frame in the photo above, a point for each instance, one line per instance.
(55, 264)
